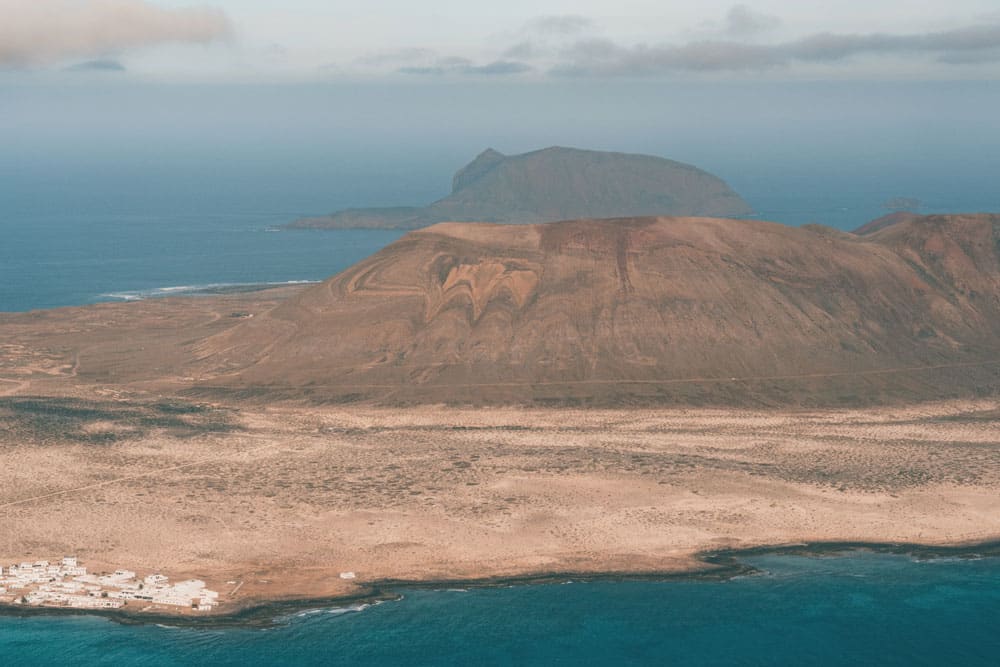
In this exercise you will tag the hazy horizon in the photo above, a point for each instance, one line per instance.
(309, 107)
(300, 149)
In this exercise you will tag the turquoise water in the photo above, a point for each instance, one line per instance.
(48, 261)
(856, 609)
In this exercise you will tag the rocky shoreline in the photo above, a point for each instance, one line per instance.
(717, 565)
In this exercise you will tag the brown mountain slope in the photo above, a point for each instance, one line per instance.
(881, 223)
(638, 310)
(556, 184)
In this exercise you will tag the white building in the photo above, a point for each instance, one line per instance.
(68, 584)
(117, 578)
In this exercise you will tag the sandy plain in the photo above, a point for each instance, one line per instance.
(272, 501)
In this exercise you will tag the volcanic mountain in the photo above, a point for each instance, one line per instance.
(638, 310)
(557, 184)
(878, 224)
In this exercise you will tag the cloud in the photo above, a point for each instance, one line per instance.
(394, 57)
(970, 57)
(831, 47)
(103, 65)
(744, 21)
(274, 50)
(439, 67)
(466, 67)
(454, 62)
(423, 70)
(499, 68)
(566, 24)
(41, 32)
(606, 58)
(544, 36)
(522, 50)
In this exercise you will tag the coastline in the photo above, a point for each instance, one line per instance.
(715, 565)
(437, 498)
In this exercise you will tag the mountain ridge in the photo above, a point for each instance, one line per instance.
(661, 310)
(888, 220)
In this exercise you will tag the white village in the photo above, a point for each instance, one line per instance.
(67, 584)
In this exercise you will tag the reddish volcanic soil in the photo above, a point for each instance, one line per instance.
(650, 311)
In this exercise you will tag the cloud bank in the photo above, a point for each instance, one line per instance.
(601, 57)
(465, 67)
(103, 65)
(563, 24)
(744, 21)
(41, 32)
(395, 57)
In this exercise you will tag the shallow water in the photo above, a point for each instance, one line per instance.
(859, 608)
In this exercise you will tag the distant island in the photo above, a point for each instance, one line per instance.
(556, 184)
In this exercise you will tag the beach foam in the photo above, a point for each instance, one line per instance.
(199, 290)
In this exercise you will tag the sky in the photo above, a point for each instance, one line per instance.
(378, 40)
(301, 107)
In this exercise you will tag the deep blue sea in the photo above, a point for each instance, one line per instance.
(854, 609)
(48, 261)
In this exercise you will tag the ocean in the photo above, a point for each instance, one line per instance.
(73, 235)
(856, 608)
(51, 259)
(125, 190)
(47, 261)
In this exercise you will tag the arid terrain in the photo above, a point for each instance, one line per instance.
(635, 311)
(279, 498)
(218, 437)
(280, 501)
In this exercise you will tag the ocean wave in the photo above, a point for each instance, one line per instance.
(934, 559)
(351, 609)
(199, 290)
(327, 611)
